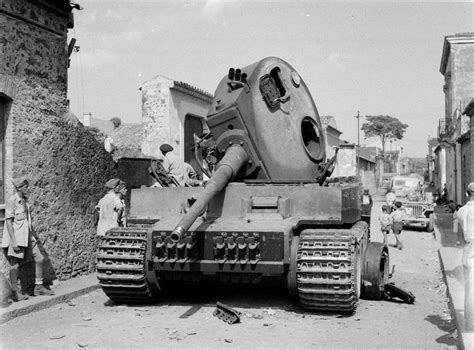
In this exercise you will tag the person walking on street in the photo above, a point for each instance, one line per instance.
(398, 216)
(20, 240)
(390, 199)
(109, 209)
(465, 217)
(386, 222)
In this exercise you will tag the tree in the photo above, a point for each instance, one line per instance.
(116, 121)
(385, 127)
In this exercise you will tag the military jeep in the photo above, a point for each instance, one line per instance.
(418, 215)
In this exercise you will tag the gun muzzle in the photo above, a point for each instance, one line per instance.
(234, 159)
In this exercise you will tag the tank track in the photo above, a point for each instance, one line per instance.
(121, 266)
(326, 270)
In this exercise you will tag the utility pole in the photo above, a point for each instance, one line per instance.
(358, 142)
(358, 128)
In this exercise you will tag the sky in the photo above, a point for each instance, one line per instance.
(378, 58)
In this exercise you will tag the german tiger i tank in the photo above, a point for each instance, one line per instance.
(267, 214)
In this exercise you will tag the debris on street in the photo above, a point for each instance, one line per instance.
(391, 292)
(227, 314)
(269, 311)
(257, 317)
(57, 336)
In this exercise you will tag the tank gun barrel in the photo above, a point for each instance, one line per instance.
(234, 159)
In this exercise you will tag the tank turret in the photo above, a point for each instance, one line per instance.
(265, 126)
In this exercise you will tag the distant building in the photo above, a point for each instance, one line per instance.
(430, 161)
(351, 163)
(105, 126)
(172, 112)
(458, 70)
(332, 135)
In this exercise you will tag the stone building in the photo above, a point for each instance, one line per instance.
(458, 70)
(467, 153)
(172, 112)
(65, 164)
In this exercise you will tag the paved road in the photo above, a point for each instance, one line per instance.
(271, 318)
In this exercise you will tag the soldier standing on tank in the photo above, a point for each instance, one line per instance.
(465, 217)
(109, 209)
(20, 240)
(173, 165)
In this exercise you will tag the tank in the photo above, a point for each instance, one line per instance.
(270, 213)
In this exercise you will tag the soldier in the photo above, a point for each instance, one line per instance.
(121, 192)
(21, 241)
(465, 217)
(173, 165)
(366, 206)
(191, 178)
(109, 209)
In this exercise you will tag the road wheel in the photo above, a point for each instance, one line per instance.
(376, 271)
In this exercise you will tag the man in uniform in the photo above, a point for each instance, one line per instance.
(109, 209)
(21, 241)
(465, 217)
(366, 206)
(173, 165)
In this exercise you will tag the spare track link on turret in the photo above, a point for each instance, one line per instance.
(326, 270)
(121, 266)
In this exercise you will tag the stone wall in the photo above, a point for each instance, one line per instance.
(66, 165)
(463, 77)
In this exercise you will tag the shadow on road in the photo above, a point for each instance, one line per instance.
(446, 325)
(235, 296)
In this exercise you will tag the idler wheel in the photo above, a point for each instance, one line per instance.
(376, 270)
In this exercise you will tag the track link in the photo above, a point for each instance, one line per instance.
(121, 266)
(326, 270)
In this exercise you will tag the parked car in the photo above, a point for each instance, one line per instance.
(406, 186)
(409, 190)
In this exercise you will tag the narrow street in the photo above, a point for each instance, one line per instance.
(271, 319)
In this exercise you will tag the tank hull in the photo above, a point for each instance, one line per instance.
(288, 234)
